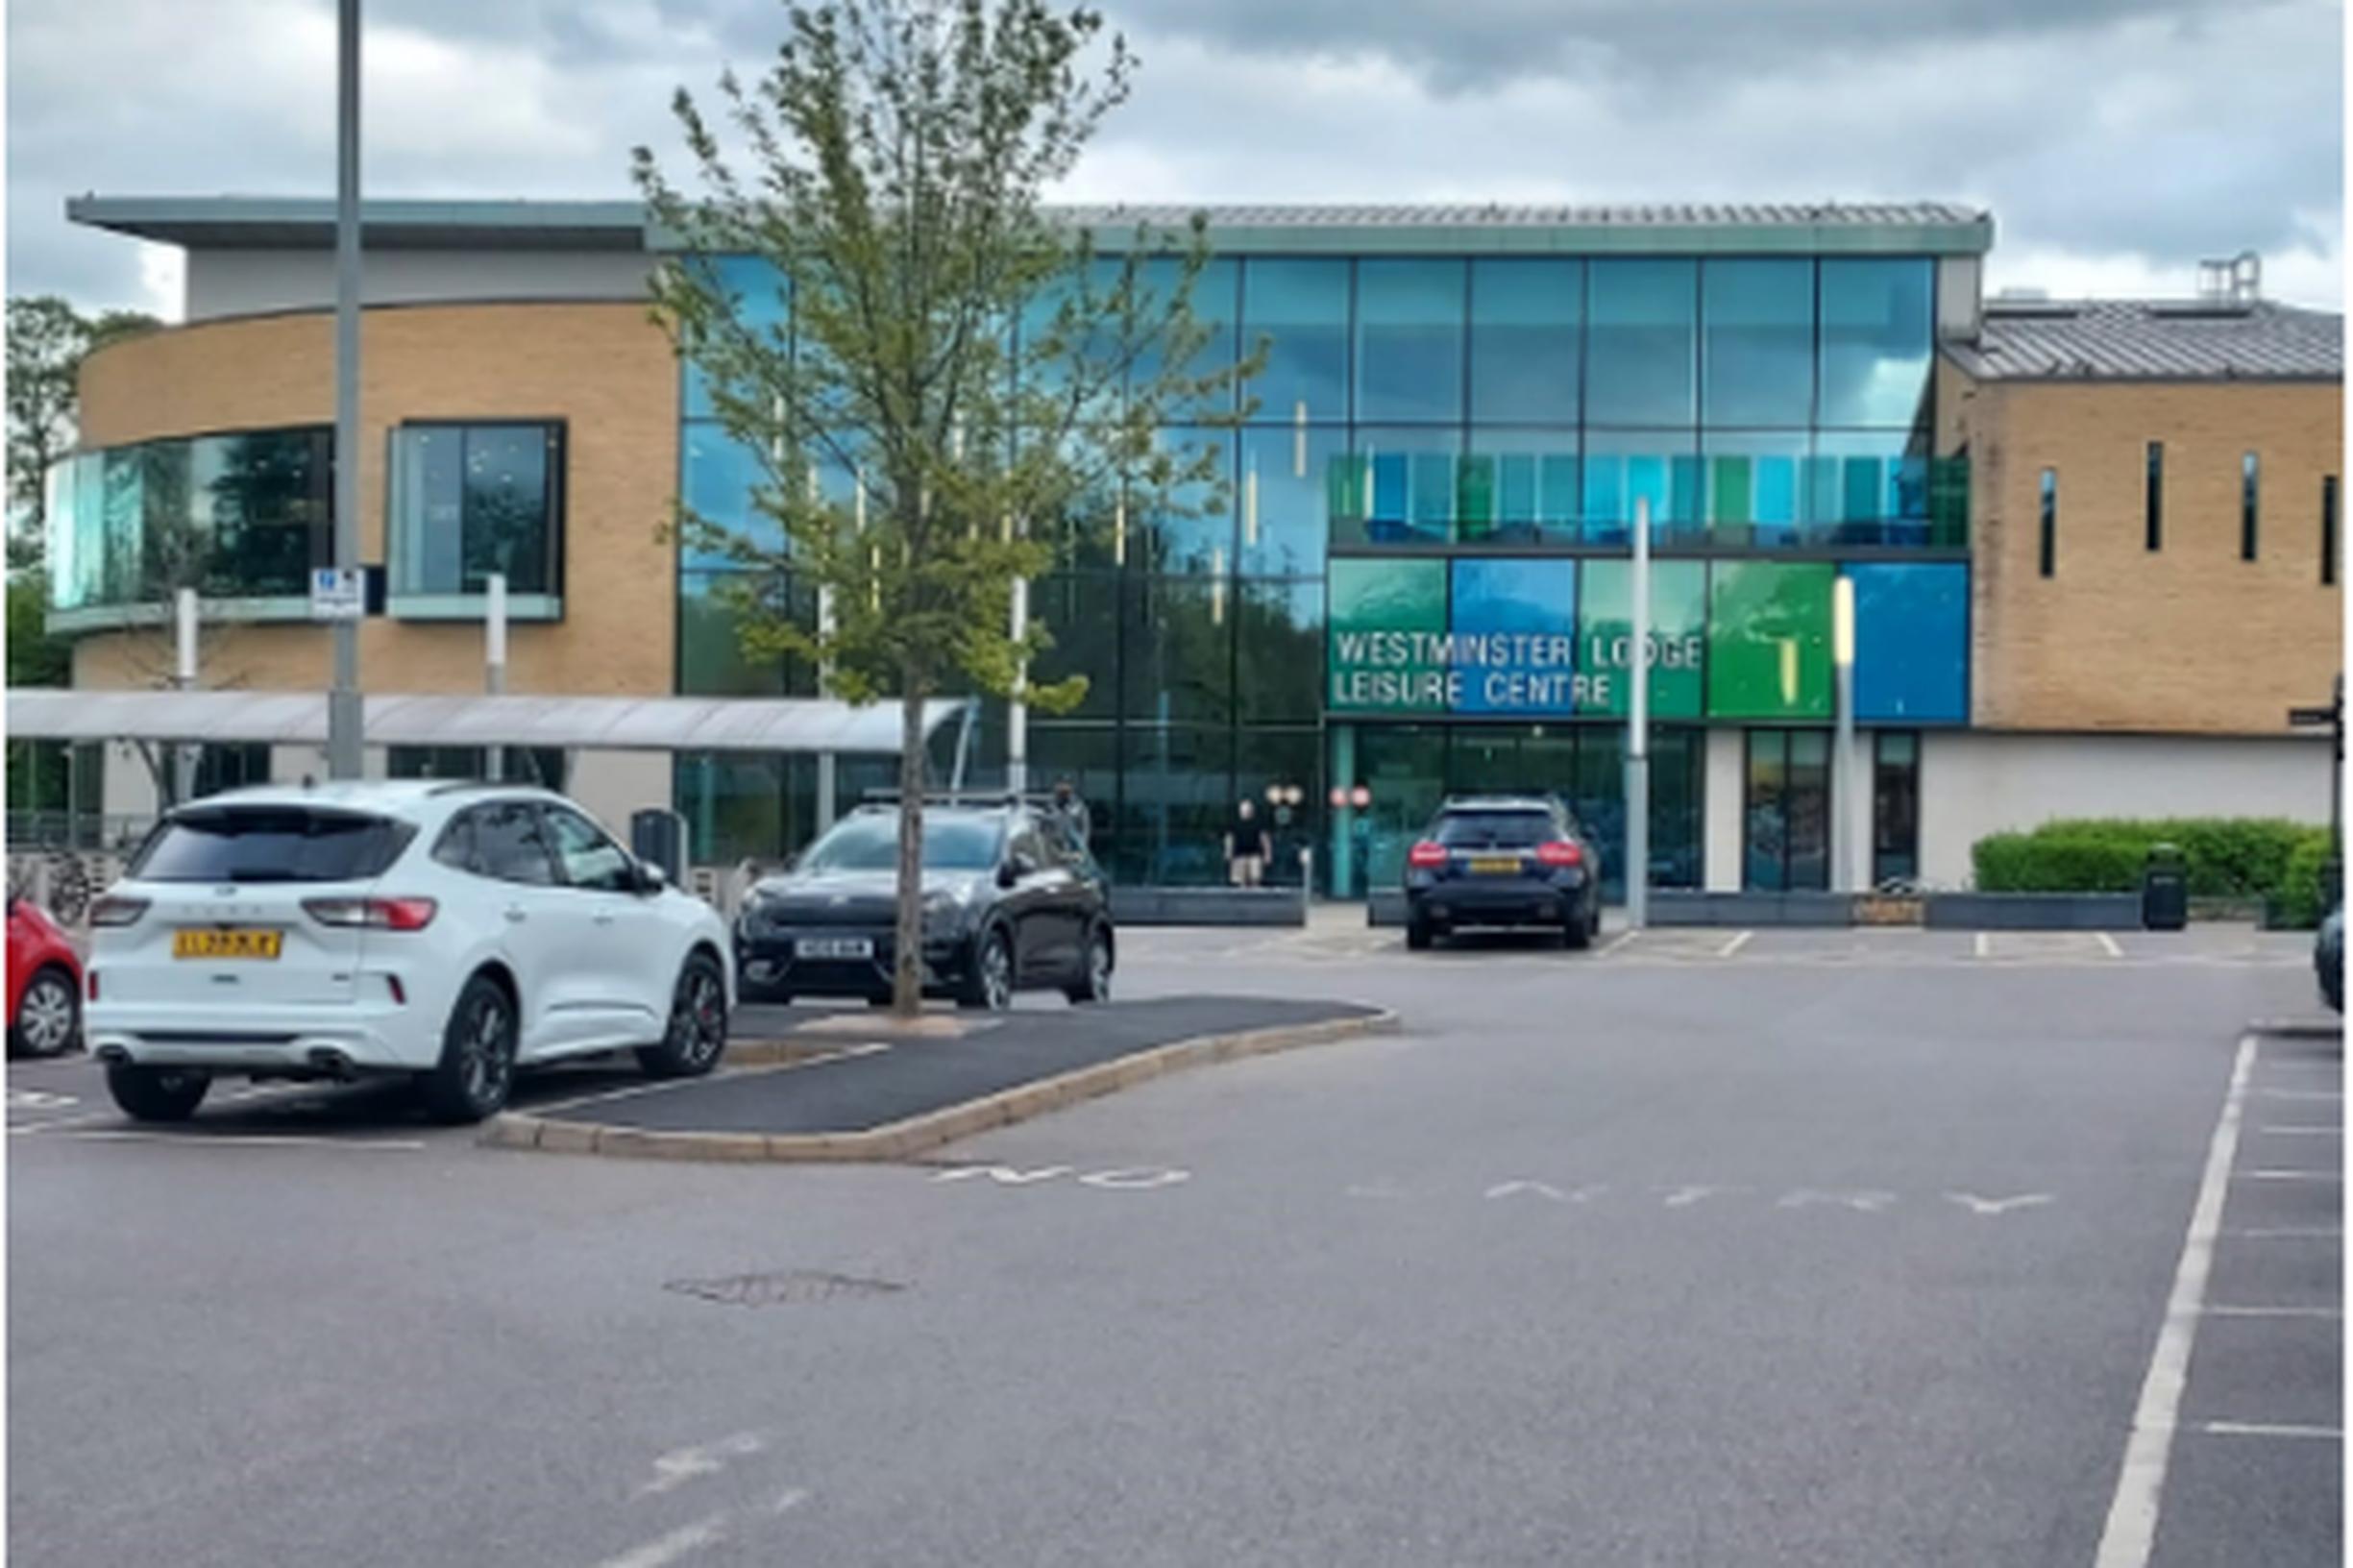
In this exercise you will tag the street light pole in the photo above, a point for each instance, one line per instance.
(1843, 803)
(1638, 730)
(343, 709)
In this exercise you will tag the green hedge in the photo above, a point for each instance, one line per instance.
(2226, 857)
(2303, 896)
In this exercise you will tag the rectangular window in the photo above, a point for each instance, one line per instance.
(1894, 807)
(2328, 531)
(2250, 481)
(1409, 338)
(472, 500)
(1300, 304)
(1878, 335)
(1642, 343)
(1528, 317)
(2050, 522)
(1788, 810)
(2155, 499)
(1759, 343)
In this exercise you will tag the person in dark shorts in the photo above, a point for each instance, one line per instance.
(1247, 847)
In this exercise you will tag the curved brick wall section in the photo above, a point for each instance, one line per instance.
(605, 369)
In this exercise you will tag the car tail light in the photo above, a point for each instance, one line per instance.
(93, 980)
(1427, 855)
(1560, 852)
(372, 913)
(116, 910)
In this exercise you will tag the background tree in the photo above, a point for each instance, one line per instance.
(961, 388)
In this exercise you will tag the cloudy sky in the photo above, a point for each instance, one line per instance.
(2117, 141)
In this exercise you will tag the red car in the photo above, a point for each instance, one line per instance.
(44, 983)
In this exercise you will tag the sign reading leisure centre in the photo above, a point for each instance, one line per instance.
(1506, 640)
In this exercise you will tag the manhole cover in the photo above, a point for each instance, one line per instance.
(779, 1289)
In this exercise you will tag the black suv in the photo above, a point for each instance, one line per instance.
(1502, 860)
(1012, 901)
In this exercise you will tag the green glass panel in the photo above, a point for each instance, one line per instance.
(1387, 621)
(1346, 477)
(1476, 502)
(1604, 633)
(1769, 640)
(1728, 495)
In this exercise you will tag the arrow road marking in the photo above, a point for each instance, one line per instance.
(1003, 1175)
(668, 1549)
(1683, 1197)
(1545, 1189)
(1869, 1203)
(1976, 1205)
(674, 1469)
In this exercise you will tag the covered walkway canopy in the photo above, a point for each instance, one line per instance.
(621, 723)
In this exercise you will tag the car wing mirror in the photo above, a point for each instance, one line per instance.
(650, 878)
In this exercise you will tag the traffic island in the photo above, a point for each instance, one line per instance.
(891, 1095)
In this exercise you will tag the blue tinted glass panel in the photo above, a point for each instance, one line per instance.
(1213, 302)
(1642, 343)
(1515, 628)
(1285, 499)
(717, 480)
(1759, 342)
(1911, 643)
(1415, 483)
(1534, 488)
(759, 292)
(1301, 304)
(1409, 339)
(1878, 320)
(1868, 489)
(1526, 334)
(1049, 348)
(1194, 532)
(1663, 466)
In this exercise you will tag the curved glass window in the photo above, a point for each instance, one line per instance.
(719, 480)
(1528, 318)
(240, 515)
(472, 500)
(760, 294)
(1877, 327)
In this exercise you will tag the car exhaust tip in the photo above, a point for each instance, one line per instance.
(113, 1056)
(332, 1063)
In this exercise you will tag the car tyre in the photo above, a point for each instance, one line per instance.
(1095, 985)
(988, 980)
(695, 1036)
(477, 1069)
(1419, 934)
(157, 1094)
(1577, 934)
(48, 1021)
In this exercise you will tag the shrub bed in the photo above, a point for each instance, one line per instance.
(2226, 857)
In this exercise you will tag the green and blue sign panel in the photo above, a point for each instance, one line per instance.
(1499, 636)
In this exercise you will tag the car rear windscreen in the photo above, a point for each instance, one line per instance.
(271, 844)
(1494, 829)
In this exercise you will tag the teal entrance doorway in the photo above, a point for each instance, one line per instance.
(1393, 776)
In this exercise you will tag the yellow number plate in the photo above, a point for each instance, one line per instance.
(1495, 866)
(217, 943)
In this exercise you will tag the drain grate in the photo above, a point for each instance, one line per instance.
(788, 1288)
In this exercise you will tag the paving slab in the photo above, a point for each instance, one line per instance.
(865, 1088)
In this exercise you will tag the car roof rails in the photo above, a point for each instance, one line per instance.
(877, 798)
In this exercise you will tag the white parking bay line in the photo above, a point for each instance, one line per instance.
(2301, 1132)
(1736, 944)
(246, 1140)
(1985, 945)
(2131, 1530)
(2109, 942)
(2301, 1093)
(2275, 1312)
(1621, 938)
(2281, 1233)
(2270, 1429)
(2292, 1175)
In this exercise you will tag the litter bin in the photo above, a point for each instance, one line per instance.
(2164, 890)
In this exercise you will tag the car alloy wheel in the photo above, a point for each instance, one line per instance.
(996, 973)
(45, 1015)
(698, 1019)
(488, 1052)
(1098, 967)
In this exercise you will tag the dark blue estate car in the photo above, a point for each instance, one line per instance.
(1502, 861)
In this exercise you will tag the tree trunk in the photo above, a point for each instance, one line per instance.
(907, 972)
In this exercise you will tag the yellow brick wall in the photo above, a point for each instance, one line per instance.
(605, 369)
(2185, 639)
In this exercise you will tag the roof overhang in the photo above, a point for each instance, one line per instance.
(1731, 229)
(623, 724)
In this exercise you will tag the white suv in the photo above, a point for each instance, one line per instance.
(452, 932)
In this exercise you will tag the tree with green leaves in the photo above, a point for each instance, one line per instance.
(951, 386)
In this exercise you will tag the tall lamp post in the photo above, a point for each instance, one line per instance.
(1638, 729)
(343, 710)
(1843, 834)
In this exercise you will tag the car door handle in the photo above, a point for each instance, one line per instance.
(516, 911)
(605, 917)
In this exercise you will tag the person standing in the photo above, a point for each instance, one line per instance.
(1247, 846)
(1074, 813)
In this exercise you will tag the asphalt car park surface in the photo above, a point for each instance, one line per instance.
(1826, 1248)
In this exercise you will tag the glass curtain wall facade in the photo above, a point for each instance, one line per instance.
(1418, 581)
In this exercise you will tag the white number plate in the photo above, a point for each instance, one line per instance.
(834, 947)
